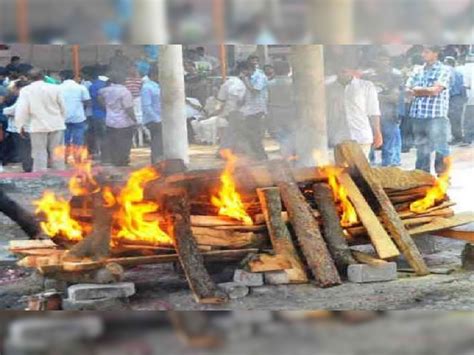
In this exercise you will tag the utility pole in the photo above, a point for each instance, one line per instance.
(173, 107)
(311, 132)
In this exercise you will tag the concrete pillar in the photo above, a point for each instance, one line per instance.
(173, 108)
(149, 25)
(308, 76)
(332, 21)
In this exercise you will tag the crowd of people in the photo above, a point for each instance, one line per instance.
(421, 103)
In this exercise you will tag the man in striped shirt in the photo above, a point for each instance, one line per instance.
(429, 88)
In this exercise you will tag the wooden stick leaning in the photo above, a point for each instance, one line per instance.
(176, 207)
(306, 227)
(350, 154)
(279, 234)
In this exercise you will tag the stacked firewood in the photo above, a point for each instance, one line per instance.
(296, 223)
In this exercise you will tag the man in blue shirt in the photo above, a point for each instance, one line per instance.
(151, 107)
(96, 126)
(75, 97)
(457, 99)
(429, 88)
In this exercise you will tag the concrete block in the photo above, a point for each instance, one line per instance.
(361, 273)
(426, 244)
(53, 284)
(104, 304)
(276, 278)
(234, 290)
(246, 278)
(467, 257)
(83, 292)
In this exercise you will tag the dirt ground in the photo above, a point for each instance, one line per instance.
(160, 288)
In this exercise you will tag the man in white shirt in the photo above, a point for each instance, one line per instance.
(353, 112)
(75, 97)
(41, 107)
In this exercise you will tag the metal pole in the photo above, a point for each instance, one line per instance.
(219, 30)
(76, 61)
(22, 26)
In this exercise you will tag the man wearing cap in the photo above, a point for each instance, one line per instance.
(457, 99)
(429, 90)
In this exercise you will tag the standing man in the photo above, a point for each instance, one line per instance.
(457, 99)
(120, 120)
(96, 124)
(388, 83)
(14, 65)
(41, 108)
(151, 106)
(429, 88)
(255, 108)
(75, 97)
(354, 112)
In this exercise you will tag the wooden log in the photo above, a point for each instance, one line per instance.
(380, 239)
(306, 228)
(229, 239)
(205, 183)
(267, 263)
(176, 209)
(351, 154)
(332, 231)
(440, 223)
(27, 222)
(365, 258)
(397, 179)
(279, 234)
(97, 244)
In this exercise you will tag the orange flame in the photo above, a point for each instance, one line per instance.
(133, 210)
(82, 182)
(349, 215)
(228, 200)
(131, 207)
(436, 193)
(58, 217)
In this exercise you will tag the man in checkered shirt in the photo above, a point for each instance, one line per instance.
(429, 89)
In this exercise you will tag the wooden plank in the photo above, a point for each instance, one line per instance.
(306, 227)
(439, 223)
(379, 237)
(226, 238)
(213, 221)
(55, 264)
(31, 244)
(177, 212)
(331, 225)
(350, 154)
(279, 234)
(267, 263)
(467, 236)
(365, 258)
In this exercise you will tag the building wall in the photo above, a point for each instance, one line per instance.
(58, 57)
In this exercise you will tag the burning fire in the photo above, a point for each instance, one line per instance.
(133, 210)
(82, 182)
(349, 215)
(436, 193)
(228, 200)
(58, 217)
